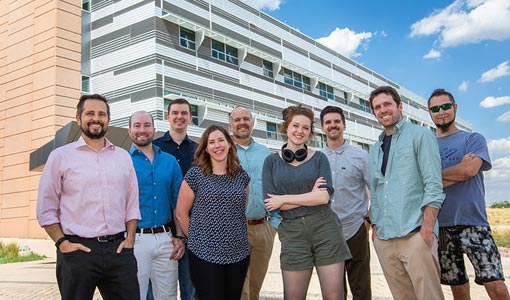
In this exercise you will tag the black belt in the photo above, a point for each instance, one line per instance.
(159, 229)
(101, 239)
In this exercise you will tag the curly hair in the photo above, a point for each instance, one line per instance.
(297, 110)
(203, 159)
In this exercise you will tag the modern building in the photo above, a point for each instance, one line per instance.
(141, 54)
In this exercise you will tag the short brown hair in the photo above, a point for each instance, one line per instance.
(83, 98)
(297, 110)
(388, 90)
(179, 101)
(332, 109)
(203, 159)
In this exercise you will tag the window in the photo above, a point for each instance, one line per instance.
(326, 91)
(85, 84)
(267, 68)
(271, 131)
(187, 38)
(296, 79)
(85, 5)
(224, 52)
(194, 114)
(320, 140)
(364, 146)
(364, 105)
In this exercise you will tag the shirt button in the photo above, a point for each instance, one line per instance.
(155, 211)
(155, 197)
(154, 183)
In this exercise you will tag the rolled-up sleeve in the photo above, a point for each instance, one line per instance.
(49, 191)
(429, 163)
(132, 203)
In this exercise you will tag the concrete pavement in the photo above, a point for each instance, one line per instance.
(36, 280)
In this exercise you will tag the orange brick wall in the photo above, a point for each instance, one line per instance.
(40, 50)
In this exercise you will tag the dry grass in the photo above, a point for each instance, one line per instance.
(499, 216)
(499, 219)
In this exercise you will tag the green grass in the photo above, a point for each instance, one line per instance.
(9, 254)
(499, 218)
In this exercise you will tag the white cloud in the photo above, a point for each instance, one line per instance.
(501, 70)
(500, 169)
(494, 101)
(346, 41)
(270, 5)
(432, 54)
(504, 117)
(496, 180)
(499, 146)
(467, 22)
(464, 86)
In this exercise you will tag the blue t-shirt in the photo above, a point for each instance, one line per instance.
(465, 201)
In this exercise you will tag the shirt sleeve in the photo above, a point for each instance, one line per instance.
(325, 172)
(374, 205)
(477, 145)
(429, 163)
(190, 178)
(365, 169)
(268, 186)
(176, 183)
(132, 195)
(49, 191)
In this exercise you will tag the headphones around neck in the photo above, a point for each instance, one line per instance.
(289, 155)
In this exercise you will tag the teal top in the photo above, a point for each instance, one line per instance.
(412, 181)
(252, 160)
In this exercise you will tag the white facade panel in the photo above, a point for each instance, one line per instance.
(191, 8)
(124, 20)
(321, 69)
(125, 108)
(122, 56)
(295, 58)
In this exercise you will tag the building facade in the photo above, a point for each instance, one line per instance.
(217, 54)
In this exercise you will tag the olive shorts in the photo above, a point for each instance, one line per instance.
(312, 240)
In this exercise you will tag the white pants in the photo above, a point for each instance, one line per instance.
(152, 252)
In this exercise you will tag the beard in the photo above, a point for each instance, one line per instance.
(94, 135)
(445, 126)
(139, 143)
(241, 135)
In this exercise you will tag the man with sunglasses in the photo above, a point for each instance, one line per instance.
(464, 228)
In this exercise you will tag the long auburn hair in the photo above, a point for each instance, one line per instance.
(203, 159)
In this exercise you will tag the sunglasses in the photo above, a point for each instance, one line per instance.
(436, 108)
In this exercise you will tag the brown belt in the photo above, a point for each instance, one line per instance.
(159, 229)
(256, 222)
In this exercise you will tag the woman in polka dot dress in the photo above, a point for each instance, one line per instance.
(215, 190)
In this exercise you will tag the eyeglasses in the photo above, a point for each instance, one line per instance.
(445, 106)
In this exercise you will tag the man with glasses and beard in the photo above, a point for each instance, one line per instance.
(88, 204)
(159, 179)
(463, 224)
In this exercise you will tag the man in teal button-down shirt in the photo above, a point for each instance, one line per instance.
(406, 194)
(261, 232)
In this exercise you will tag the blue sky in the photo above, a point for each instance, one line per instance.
(462, 46)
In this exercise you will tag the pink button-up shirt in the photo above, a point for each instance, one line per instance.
(89, 193)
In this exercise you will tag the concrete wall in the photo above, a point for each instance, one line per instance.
(40, 54)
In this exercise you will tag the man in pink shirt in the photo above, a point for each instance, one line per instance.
(88, 204)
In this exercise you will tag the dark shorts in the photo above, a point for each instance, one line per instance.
(477, 243)
(312, 240)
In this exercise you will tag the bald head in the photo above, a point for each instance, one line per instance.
(138, 114)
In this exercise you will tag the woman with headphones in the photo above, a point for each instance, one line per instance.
(297, 182)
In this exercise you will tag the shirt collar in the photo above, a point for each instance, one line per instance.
(399, 127)
(133, 149)
(252, 142)
(81, 143)
(337, 150)
(168, 138)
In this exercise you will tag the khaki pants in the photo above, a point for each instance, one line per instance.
(261, 238)
(411, 268)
